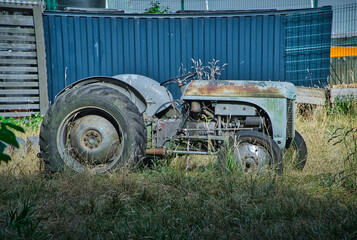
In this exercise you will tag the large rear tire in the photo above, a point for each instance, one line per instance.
(93, 128)
(251, 151)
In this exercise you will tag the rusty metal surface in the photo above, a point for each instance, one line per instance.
(229, 88)
(164, 151)
(195, 107)
(165, 130)
(156, 151)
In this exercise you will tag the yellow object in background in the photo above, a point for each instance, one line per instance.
(343, 51)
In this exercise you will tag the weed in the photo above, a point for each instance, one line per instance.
(348, 139)
(344, 105)
(156, 8)
(24, 221)
(213, 73)
(32, 122)
(227, 158)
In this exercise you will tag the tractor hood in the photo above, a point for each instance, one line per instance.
(223, 89)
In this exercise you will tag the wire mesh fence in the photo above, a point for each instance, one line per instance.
(344, 45)
(140, 6)
(307, 47)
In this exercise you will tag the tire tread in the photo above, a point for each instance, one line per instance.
(127, 108)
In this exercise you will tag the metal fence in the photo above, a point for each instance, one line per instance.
(139, 6)
(343, 58)
(344, 45)
(308, 40)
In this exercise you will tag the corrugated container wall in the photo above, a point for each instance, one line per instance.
(163, 46)
(160, 47)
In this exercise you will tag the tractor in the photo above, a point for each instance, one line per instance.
(100, 124)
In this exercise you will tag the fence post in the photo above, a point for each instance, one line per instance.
(316, 3)
(41, 57)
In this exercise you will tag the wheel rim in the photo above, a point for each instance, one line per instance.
(252, 157)
(90, 139)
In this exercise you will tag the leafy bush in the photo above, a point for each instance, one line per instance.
(32, 122)
(156, 8)
(7, 136)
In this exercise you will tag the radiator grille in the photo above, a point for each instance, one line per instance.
(290, 113)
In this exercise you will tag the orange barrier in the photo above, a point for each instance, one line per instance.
(343, 51)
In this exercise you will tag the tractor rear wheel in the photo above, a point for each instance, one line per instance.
(93, 128)
(251, 151)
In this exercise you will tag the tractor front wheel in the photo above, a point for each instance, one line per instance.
(251, 151)
(297, 152)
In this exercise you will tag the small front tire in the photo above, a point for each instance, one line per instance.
(297, 152)
(251, 151)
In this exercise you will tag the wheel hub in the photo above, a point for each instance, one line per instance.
(252, 157)
(94, 139)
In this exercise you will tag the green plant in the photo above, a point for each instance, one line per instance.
(32, 122)
(24, 221)
(345, 105)
(156, 8)
(348, 139)
(7, 136)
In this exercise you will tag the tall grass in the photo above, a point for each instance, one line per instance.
(203, 202)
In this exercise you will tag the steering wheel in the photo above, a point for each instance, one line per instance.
(179, 79)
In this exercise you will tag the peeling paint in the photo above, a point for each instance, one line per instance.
(238, 89)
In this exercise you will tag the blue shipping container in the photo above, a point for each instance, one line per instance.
(253, 44)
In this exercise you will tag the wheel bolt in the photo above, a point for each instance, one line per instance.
(86, 144)
(96, 134)
(91, 146)
(98, 140)
(85, 139)
(87, 134)
(96, 145)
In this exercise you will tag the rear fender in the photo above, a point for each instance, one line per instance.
(134, 95)
(157, 97)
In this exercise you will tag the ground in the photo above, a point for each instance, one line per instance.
(169, 202)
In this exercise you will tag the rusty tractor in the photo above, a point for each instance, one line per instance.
(99, 124)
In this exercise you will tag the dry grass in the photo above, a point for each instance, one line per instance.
(210, 72)
(317, 130)
(169, 202)
(25, 162)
